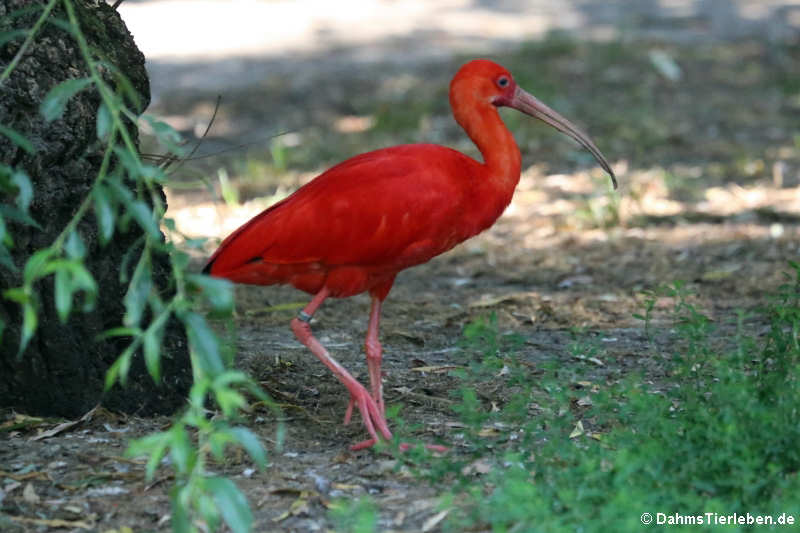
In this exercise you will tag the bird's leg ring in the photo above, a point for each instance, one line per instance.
(370, 413)
(373, 348)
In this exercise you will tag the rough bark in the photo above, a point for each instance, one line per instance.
(62, 371)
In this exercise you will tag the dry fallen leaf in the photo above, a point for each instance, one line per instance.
(488, 432)
(21, 421)
(479, 466)
(435, 369)
(65, 425)
(298, 507)
(491, 301)
(433, 521)
(345, 486)
(584, 402)
(594, 360)
(57, 523)
(29, 494)
(27, 475)
(412, 337)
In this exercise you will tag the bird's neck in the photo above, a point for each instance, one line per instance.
(501, 156)
(492, 191)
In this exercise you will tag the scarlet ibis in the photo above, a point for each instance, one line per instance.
(354, 227)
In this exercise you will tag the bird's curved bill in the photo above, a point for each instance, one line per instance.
(530, 105)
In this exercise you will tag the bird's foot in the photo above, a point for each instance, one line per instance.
(349, 412)
(371, 414)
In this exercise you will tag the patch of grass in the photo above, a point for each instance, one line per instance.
(355, 516)
(600, 211)
(718, 435)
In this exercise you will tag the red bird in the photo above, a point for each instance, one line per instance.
(354, 227)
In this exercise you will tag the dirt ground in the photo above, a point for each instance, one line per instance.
(715, 202)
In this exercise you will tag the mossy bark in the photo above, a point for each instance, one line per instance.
(63, 369)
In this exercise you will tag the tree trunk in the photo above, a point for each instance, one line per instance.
(62, 371)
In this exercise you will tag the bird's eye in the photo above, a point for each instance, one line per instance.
(502, 81)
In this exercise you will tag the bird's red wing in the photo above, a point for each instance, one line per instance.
(390, 209)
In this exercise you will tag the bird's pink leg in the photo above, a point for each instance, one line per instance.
(374, 355)
(373, 416)
(373, 349)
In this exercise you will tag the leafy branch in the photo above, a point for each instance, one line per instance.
(126, 191)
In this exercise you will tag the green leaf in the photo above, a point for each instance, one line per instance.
(36, 266)
(154, 445)
(120, 368)
(30, 320)
(17, 294)
(229, 400)
(231, 503)
(135, 299)
(207, 507)
(166, 134)
(127, 88)
(104, 122)
(18, 139)
(17, 215)
(114, 371)
(153, 173)
(119, 191)
(181, 449)
(231, 377)
(5, 237)
(8, 36)
(249, 441)
(54, 103)
(130, 161)
(197, 394)
(180, 513)
(25, 188)
(218, 291)
(77, 279)
(5, 257)
(143, 215)
(63, 294)
(83, 280)
(104, 212)
(151, 340)
(74, 246)
(216, 443)
(181, 259)
(204, 342)
(119, 332)
(127, 257)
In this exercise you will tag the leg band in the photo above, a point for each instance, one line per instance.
(303, 316)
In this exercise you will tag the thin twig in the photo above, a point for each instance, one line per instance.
(203, 136)
(157, 157)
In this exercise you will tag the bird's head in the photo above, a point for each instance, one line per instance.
(484, 82)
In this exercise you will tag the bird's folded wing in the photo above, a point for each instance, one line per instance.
(394, 207)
